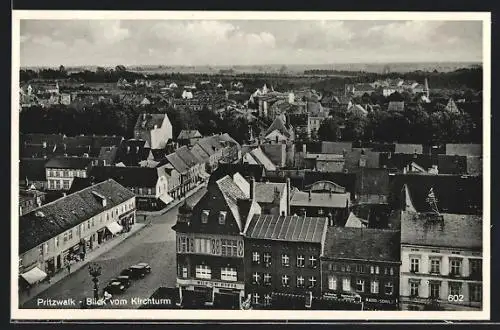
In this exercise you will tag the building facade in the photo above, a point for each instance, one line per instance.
(56, 233)
(282, 256)
(60, 171)
(156, 129)
(210, 245)
(363, 263)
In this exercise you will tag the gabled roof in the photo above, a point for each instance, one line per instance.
(189, 134)
(265, 191)
(186, 156)
(210, 144)
(177, 163)
(108, 154)
(67, 212)
(279, 124)
(232, 193)
(452, 230)
(246, 170)
(362, 244)
(140, 177)
(276, 152)
(287, 228)
(262, 159)
(354, 222)
(69, 162)
(451, 106)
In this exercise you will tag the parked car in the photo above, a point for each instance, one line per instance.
(136, 271)
(115, 287)
(123, 279)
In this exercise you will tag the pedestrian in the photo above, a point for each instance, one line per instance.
(69, 268)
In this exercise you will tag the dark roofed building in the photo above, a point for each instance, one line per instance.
(364, 262)
(69, 163)
(107, 155)
(132, 152)
(335, 206)
(372, 186)
(189, 137)
(282, 258)
(246, 170)
(338, 148)
(32, 171)
(452, 164)
(40, 139)
(156, 129)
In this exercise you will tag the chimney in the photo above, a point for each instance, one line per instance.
(252, 188)
(288, 197)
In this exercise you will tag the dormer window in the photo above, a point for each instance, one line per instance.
(222, 217)
(204, 216)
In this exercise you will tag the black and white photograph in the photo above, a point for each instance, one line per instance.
(244, 165)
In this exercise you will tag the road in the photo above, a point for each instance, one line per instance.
(154, 244)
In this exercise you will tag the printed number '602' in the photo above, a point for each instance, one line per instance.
(455, 297)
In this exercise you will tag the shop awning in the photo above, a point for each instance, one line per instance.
(34, 275)
(166, 198)
(114, 227)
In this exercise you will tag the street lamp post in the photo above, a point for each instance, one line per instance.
(95, 271)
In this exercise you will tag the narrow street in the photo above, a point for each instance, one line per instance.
(155, 244)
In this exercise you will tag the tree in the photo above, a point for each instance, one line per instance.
(328, 130)
(120, 68)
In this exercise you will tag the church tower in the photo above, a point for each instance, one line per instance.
(426, 88)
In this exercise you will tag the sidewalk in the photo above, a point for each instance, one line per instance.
(172, 204)
(92, 255)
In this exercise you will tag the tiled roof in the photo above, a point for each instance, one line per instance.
(69, 162)
(464, 149)
(68, 212)
(189, 134)
(232, 193)
(186, 156)
(362, 243)
(246, 170)
(262, 159)
(149, 121)
(278, 124)
(338, 148)
(265, 191)
(210, 145)
(287, 228)
(372, 181)
(400, 161)
(227, 138)
(301, 198)
(108, 154)
(275, 152)
(177, 163)
(37, 151)
(159, 154)
(34, 138)
(133, 151)
(94, 141)
(454, 230)
(126, 176)
(32, 168)
(200, 153)
(353, 157)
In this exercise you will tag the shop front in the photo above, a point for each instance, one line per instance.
(380, 304)
(210, 294)
(126, 220)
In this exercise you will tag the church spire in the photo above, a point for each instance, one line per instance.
(426, 88)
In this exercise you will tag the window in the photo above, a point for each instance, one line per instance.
(389, 288)
(88, 224)
(222, 217)
(66, 184)
(267, 279)
(360, 269)
(312, 281)
(203, 245)
(455, 266)
(203, 272)
(51, 184)
(434, 290)
(313, 262)
(377, 270)
(285, 260)
(184, 273)
(374, 286)
(360, 285)
(332, 282)
(65, 237)
(372, 270)
(45, 248)
(229, 247)
(267, 259)
(256, 298)
(435, 265)
(414, 265)
(58, 184)
(183, 244)
(256, 278)
(267, 299)
(391, 270)
(414, 285)
(93, 222)
(475, 268)
(228, 274)
(300, 260)
(475, 292)
(300, 281)
(204, 216)
(455, 288)
(256, 257)
(346, 284)
(348, 268)
(285, 280)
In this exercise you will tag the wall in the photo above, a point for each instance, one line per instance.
(424, 275)
(57, 174)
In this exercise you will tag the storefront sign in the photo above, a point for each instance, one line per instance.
(342, 297)
(380, 301)
(212, 284)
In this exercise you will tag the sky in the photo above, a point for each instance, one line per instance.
(245, 42)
